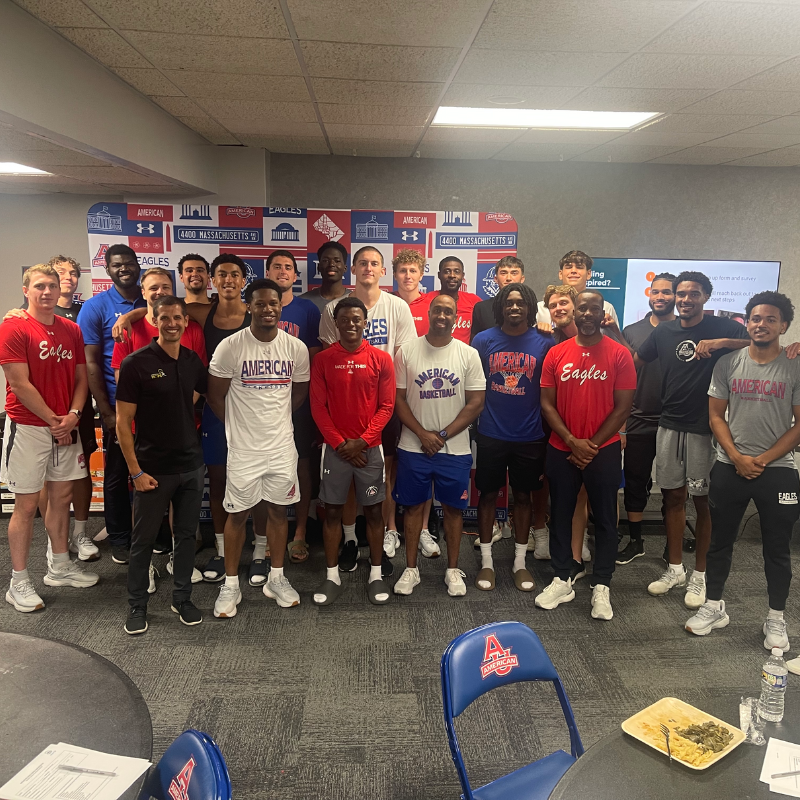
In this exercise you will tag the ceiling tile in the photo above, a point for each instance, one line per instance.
(209, 129)
(766, 141)
(718, 124)
(477, 150)
(66, 13)
(782, 78)
(489, 95)
(331, 90)
(671, 71)
(734, 101)
(786, 157)
(365, 147)
(417, 23)
(143, 192)
(383, 115)
(148, 81)
(239, 87)
(288, 144)
(541, 151)
(272, 127)
(625, 153)
(781, 125)
(674, 139)
(743, 28)
(11, 139)
(107, 46)
(475, 135)
(599, 98)
(253, 18)
(534, 69)
(377, 133)
(11, 188)
(568, 137)
(705, 154)
(109, 175)
(50, 160)
(257, 110)
(179, 106)
(217, 53)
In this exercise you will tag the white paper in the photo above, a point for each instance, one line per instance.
(42, 778)
(781, 757)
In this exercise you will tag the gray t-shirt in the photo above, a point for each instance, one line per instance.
(318, 300)
(760, 399)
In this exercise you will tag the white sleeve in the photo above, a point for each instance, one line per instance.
(474, 379)
(327, 329)
(400, 369)
(542, 314)
(302, 369)
(406, 330)
(223, 362)
(613, 311)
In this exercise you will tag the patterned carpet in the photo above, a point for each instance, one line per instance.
(344, 701)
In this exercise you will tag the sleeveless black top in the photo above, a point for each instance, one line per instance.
(215, 335)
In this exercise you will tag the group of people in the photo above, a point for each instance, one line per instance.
(383, 394)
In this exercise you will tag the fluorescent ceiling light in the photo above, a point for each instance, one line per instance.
(10, 168)
(537, 118)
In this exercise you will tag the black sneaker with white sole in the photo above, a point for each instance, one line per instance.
(387, 568)
(120, 555)
(577, 571)
(188, 612)
(348, 558)
(137, 620)
(634, 549)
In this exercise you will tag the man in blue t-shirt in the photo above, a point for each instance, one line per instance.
(510, 435)
(97, 318)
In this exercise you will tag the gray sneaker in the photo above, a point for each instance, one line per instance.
(776, 635)
(707, 619)
(23, 596)
(280, 590)
(70, 574)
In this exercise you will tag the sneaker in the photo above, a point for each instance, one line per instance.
(197, 576)
(634, 549)
(137, 620)
(454, 580)
(70, 574)
(49, 554)
(348, 558)
(391, 541)
(427, 546)
(601, 602)
(120, 555)
(706, 619)
(151, 586)
(280, 590)
(387, 568)
(86, 549)
(695, 591)
(577, 571)
(667, 581)
(229, 597)
(23, 596)
(585, 553)
(497, 535)
(775, 631)
(506, 532)
(408, 580)
(539, 542)
(556, 593)
(188, 612)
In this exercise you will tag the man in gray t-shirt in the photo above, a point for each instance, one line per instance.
(759, 389)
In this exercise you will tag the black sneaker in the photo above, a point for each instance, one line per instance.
(689, 544)
(137, 620)
(348, 558)
(577, 571)
(433, 525)
(634, 549)
(188, 612)
(387, 568)
(121, 555)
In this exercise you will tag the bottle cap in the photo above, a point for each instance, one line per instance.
(776, 651)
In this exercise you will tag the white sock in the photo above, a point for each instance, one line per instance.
(349, 533)
(698, 574)
(275, 573)
(260, 549)
(774, 614)
(717, 604)
(232, 580)
(17, 576)
(519, 556)
(220, 537)
(676, 568)
(59, 559)
(80, 528)
(486, 556)
(374, 573)
(424, 530)
(332, 575)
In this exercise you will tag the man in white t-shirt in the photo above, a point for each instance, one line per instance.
(257, 378)
(440, 391)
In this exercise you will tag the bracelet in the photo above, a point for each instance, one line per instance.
(623, 433)
(137, 475)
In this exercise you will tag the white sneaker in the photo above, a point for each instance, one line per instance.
(70, 574)
(229, 597)
(695, 591)
(23, 596)
(49, 556)
(151, 588)
(497, 535)
(775, 631)
(408, 580)
(100, 535)
(506, 531)
(427, 545)
(585, 554)
(454, 580)
(86, 549)
(556, 593)
(667, 581)
(197, 576)
(391, 541)
(707, 619)
(601, 602)
(539, 542)
(280, 590)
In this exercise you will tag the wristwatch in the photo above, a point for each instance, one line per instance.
(443, 434)
(76, 411)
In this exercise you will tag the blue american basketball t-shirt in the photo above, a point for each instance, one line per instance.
(301, 319)
(513, 367)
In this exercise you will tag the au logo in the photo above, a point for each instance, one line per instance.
(497, 660)
(179, 786)
(159, 374)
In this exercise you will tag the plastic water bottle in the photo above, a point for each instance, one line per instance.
(773, 687)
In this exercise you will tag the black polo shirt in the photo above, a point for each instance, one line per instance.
(166, 439)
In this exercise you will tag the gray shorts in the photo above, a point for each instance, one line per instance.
(337, 475)
(684, 459)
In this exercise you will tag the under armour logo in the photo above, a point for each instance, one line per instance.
(585, 355)
(326, 472)
(142, 228)
(413, 235)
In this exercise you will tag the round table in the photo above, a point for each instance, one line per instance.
(54, 692)
(619, 767)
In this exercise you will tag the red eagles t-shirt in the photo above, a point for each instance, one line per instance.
(463, 326)
(51, 352)
(419, 312)
(585, 379)
(144, 333)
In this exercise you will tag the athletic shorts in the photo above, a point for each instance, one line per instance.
(336, 475)
(86, 430)
(684, 459)
(524, 462)
(215, 445)
(391, 436)
(450, 476)
(305, 431)
(252, 477)
(31, 458)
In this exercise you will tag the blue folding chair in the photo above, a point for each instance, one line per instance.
(192, 768)
(481, 660)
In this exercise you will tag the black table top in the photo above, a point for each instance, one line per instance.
(619, 767)
(54, 692)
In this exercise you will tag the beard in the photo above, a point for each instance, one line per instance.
(563, 322)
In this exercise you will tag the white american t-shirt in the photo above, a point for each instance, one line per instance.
(436, 380)
(389, 324)
(258, 406)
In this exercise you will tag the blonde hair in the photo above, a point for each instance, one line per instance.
(408, 256)
(563, 289)
(156, 271)
(45, 269)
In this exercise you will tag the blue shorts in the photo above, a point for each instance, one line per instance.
(450, 476)
(215, 445)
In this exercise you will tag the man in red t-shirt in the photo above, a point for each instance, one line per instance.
(587, 384)
(46, 385)
(408, 268)
(352, 398)
(451, 278)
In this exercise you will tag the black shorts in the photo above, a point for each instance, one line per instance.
(305, 431)
(391, 436)
(639, 453)
(524, 462)
(86, 430)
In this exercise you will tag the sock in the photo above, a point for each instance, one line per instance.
(80, 528)
(486, 556)
(519, 556)
(374, 573)
(260, 550)
(275, 573)
(60, 559)
(349, 533)
(332, 574)
(635, 530)
(424, 530)
(19, 576)
(677, 568)
(232, 580)
(220, 537)
(773, 614)
(717, 605)
(699, 574)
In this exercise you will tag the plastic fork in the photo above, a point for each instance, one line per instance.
(665, 731)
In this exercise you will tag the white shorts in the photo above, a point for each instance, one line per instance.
(31, 457)
(252, 477)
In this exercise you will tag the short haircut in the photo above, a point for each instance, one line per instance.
(528, 296)
(364, 250)
(591, 291)
(451, 258)
(664, 276)
(45, 269)
(191, 257)
(511, 262)
(694, 277)
(780, 301)
(283, 253)
(119, 250)
(156, 271)
(333, 246)
(576, 257)
(441, 295)
(564, 289)
(351, 301)
(260, 283)
(228, 258)
(64, 260)
(408, 256)
(169, 300)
